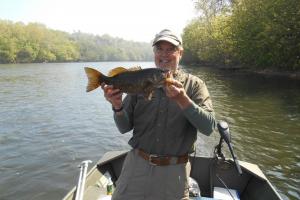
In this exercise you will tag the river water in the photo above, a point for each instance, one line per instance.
(49, 124)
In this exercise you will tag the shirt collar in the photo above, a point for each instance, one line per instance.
(180, 75)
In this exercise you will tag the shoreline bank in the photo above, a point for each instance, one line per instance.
(292, 75)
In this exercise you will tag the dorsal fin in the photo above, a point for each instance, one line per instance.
(135, 68)
(116, 71)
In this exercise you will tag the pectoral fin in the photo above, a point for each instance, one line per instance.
(148, 91)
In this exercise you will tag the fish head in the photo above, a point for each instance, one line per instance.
(159, 78)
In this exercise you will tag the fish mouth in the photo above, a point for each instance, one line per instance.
(167, 77)
(166, 73)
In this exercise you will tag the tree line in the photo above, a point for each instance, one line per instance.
(254, 33)
(34, 42)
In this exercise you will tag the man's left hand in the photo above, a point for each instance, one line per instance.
(176, 92)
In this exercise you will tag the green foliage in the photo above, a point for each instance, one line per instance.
(107, 48)
(267, 33)
(208, 43)
(256, 33)
(20, 43)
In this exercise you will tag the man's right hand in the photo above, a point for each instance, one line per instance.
(114, 96)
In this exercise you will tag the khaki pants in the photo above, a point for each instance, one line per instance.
(140, 180)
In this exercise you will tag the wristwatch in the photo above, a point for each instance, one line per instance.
(117, 110)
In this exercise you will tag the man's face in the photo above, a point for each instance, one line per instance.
(167, 56)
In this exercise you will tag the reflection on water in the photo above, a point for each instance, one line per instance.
(49, 124)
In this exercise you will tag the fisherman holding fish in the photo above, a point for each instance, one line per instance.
(164, 113)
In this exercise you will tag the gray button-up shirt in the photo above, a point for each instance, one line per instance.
(160, 126)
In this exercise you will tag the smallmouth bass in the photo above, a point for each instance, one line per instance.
(131, 81)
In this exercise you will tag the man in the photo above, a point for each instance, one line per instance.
(164, 128)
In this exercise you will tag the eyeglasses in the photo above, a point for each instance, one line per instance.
(168, 51)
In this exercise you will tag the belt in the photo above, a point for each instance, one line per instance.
(161, 160)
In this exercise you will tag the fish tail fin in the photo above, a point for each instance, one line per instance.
(95, 78)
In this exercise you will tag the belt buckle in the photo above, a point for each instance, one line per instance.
(151, 156)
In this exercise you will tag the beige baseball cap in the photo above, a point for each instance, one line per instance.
(169, 36)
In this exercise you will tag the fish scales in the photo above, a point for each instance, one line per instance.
(142, 81)
(136, 81)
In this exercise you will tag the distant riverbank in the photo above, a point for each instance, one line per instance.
(292, 75)
(275, 73)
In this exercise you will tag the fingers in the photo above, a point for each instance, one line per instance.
(177, 84)
(175, 89)
(173, 83)
(106, 88)
(172, 91)
(111, 94)
(109, 89)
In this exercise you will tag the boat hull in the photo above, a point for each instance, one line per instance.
(208, 172)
